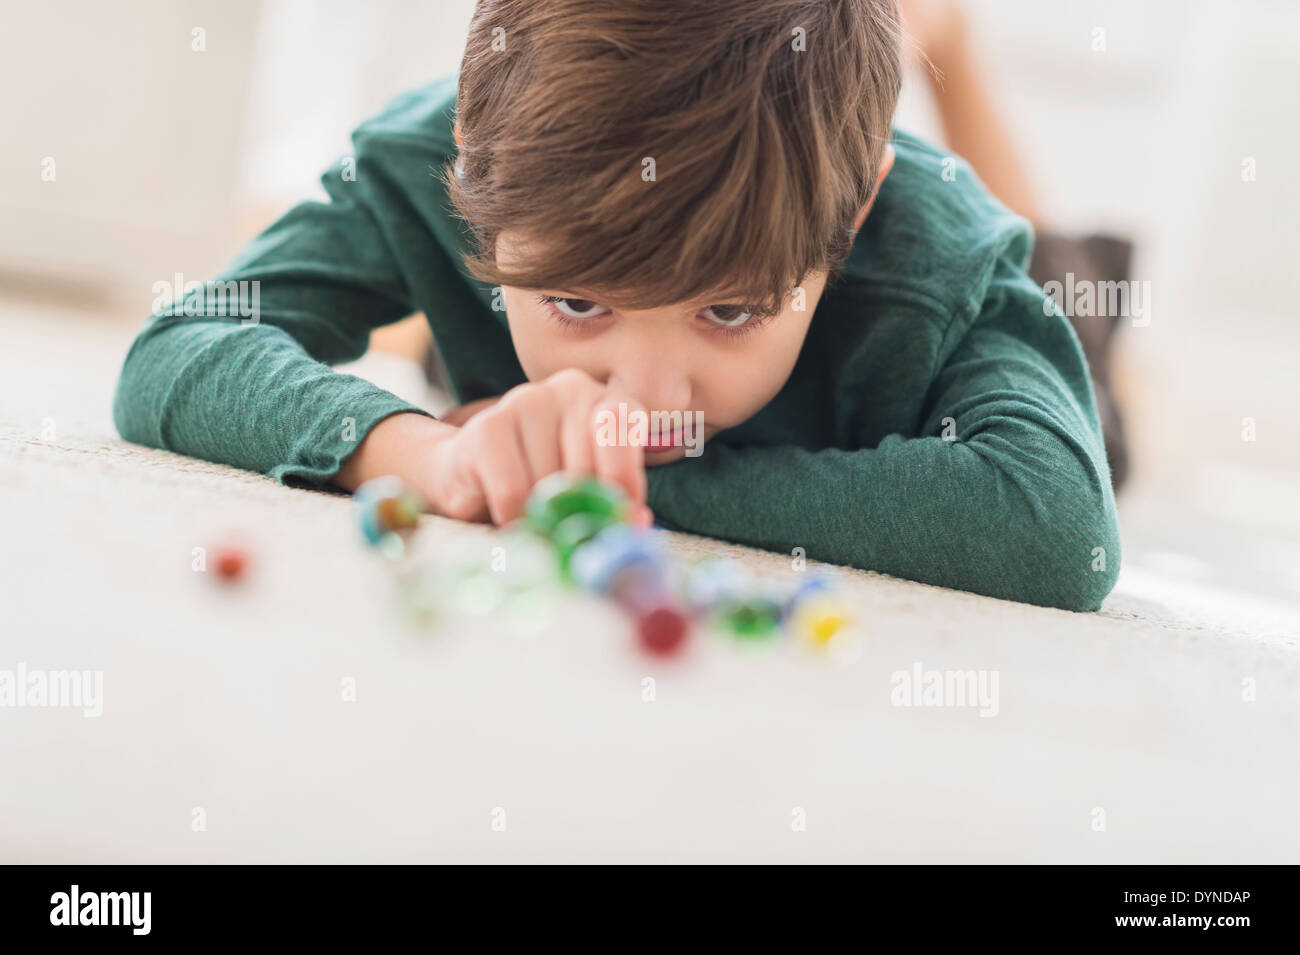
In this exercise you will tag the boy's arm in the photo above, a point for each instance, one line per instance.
(258, 392)
(1018, 506)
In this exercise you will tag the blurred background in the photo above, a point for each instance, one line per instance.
(146, 138)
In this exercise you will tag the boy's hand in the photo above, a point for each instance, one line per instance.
(506, 445)
(459, 415)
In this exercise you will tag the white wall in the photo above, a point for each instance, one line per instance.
(322, 66)
(144, 132)
(159, 148)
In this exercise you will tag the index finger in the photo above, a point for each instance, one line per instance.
(616, 458)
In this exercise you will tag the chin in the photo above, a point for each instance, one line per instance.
(669, 455)
(655, 458)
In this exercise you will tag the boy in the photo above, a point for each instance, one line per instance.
(689, 209)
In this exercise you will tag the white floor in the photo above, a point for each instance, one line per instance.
(1162, 730)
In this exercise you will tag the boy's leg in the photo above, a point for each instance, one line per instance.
(974, 129)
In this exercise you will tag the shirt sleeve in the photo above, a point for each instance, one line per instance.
(1005, 493)
(238, 373)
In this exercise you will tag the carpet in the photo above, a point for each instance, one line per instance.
(297, 717)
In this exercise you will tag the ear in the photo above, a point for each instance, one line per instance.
(460, 140)
(886, 164)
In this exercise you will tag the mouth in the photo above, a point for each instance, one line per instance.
(665, 442)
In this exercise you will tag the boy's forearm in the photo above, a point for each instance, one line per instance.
(397, 446)
(924, 509)
(246, 396)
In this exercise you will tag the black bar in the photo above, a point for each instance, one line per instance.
(927, 904)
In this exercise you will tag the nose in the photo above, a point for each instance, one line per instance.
(655, 369)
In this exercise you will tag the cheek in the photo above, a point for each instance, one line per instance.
(538, 343)
(740, 381)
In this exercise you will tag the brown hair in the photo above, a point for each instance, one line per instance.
(763, 153)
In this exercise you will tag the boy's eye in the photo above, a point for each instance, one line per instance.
(730, 316)
(728, 319)
(739, 316)
(574, 307)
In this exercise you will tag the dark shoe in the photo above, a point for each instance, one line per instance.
(1094, 258)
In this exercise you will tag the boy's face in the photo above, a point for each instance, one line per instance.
(712, 362)
(708, 361)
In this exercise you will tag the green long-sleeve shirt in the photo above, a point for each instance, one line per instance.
(939, 424)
